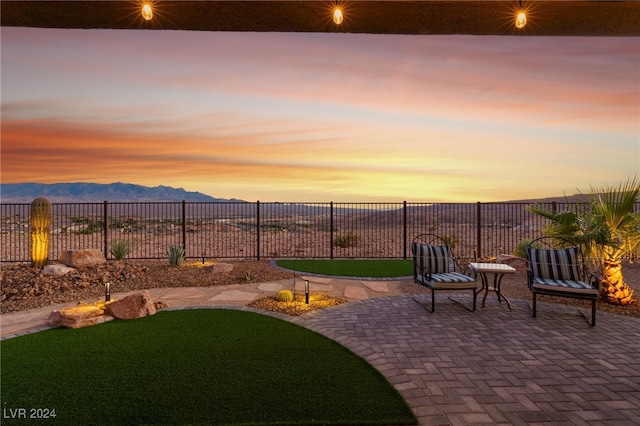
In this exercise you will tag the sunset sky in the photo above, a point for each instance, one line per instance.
(321, 117)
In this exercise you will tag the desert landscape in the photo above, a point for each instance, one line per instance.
(25, 287)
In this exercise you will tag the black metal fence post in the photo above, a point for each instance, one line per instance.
(184, 227)
(258, 229)
(331, 230)
(105, 228)
(404, 229)
(478, 230)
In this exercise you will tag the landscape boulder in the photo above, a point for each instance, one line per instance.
(57, 270)
(136, 305)
(82, 315)
(220, 267)
(82, 258)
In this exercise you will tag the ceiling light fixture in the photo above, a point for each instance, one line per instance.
(337, 16)
(147, 11)
(521, 17)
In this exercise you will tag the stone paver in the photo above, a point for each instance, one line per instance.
(180, 293)
(270, 287)
(455, 367)
(314, 279)
(355, 293)
(495, 366)
(379, 286)
(314, 287)
(234, 295)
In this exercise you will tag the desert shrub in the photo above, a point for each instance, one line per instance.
(452, 240)
(274, 226)
(521, 248)
(347, 240)
(120, 249)
(176, 255)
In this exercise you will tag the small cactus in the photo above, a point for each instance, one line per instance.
(40, 229)
(285, 296)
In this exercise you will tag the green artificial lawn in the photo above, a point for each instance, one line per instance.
(370, 268)
(200, 366)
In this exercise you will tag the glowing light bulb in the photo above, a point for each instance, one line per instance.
(521, 20)
(147, 11)
(337, 16)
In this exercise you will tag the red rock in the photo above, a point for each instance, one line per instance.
(80, 316)
(56, 270)
(136, 305)
(82, 258)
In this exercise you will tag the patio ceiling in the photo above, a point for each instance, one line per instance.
(545, 18)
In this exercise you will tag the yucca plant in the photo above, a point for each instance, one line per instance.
(176, 255)
(347, 240)
(120, 249)
(608, 231)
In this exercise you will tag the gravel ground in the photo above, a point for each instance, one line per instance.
(24, 287)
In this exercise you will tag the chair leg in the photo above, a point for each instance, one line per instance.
(534, 305)
(433, 300)
(593, 312)
(474, 300)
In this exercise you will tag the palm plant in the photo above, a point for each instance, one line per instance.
(608, 231)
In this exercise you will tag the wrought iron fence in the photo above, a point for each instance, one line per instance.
(269, 230)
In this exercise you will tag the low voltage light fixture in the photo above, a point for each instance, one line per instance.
(107, 291)
(306, 291)
(147, 11)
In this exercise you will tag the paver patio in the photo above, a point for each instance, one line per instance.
(455, 367)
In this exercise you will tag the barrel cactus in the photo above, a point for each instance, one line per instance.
(285, 296)
(40, 231)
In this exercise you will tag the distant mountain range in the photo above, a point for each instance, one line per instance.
(96, 192)
(83, 192)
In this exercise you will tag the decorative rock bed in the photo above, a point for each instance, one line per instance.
(136, 305)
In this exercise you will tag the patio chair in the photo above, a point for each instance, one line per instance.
(556, 267)
(435, 267)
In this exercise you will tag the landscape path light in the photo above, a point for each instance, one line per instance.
(107, 291)
(306, 291)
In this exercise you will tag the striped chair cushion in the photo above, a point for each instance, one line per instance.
(448, 280)
(558, 264)
(569, 286)
(452, 277)
(432, 259)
